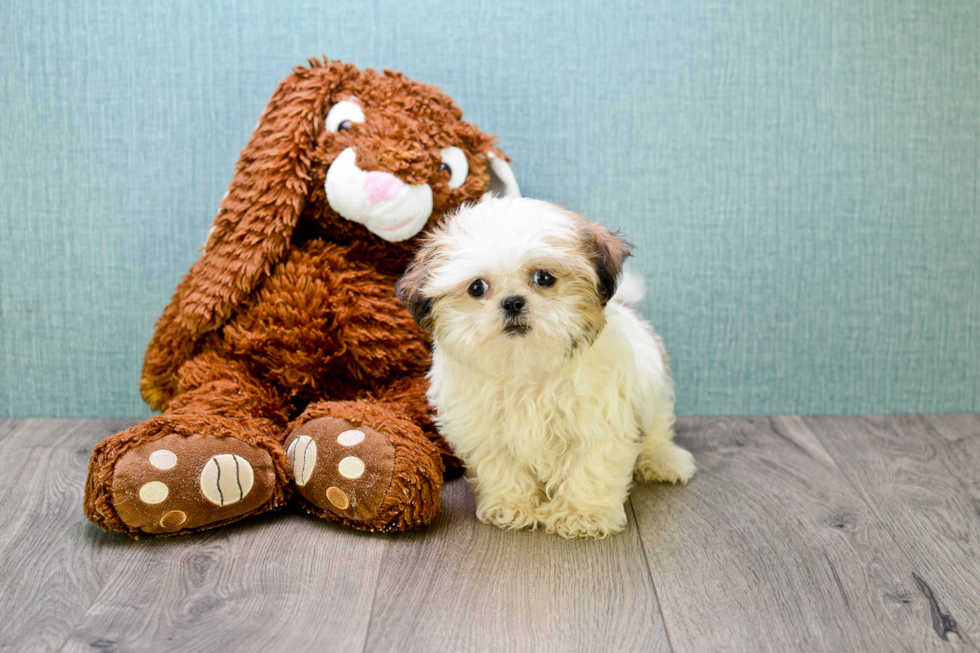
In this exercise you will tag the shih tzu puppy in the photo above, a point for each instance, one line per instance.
(550, 387)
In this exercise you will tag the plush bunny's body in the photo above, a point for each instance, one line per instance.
(285, 366)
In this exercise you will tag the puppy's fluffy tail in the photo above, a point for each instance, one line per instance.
(631, 289)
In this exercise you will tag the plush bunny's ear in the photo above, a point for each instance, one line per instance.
(267, 195)
(255, 222)
(502, 180)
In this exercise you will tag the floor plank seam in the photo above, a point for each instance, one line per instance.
(95, 599)
(916, 579)
(68, 430)
(374, 598)
(935, 432)
(653, 583)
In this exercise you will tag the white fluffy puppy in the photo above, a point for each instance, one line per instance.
(552, 390)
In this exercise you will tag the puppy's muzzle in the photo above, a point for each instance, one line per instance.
(515, 315)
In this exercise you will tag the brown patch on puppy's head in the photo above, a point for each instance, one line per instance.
(608, 252)
(410, 287)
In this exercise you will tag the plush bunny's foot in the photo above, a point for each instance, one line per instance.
(165, 477)
(381, 480)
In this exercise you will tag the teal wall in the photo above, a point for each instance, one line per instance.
(800, 176)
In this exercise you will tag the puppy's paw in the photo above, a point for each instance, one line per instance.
(508, 515)
(666, 462)
(571, 523)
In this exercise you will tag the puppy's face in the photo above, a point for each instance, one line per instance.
(513, 284)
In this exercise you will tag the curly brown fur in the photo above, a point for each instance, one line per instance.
(409, 397)
(291, 306)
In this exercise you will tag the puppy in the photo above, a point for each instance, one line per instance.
(546, 382)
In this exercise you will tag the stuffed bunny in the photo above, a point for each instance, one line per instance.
(285, 365)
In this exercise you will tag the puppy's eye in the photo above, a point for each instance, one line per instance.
(478, 288)
(544, 279)
(454, 161)
(344, 114)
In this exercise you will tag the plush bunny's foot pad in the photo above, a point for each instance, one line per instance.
(183, 483)
(178, 483)
(349, 472)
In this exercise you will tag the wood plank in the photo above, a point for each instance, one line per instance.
(8, 426)
(922, 477)
(55, 562)
(277, 582)
(22, 431)
(464, 586)
(815, 533)
(770, 548)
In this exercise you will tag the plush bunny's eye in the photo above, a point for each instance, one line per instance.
(343, 114)
(454, 161)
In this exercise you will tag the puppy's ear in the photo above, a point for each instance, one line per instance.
(607, 252)
(409, 287)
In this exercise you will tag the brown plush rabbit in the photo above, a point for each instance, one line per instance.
(284, 364)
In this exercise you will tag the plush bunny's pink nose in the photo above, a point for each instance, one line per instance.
(382, 186)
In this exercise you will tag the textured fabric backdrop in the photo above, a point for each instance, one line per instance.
(800, 177)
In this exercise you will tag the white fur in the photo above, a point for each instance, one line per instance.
(395, 220)
(631, 290)
(551, 434)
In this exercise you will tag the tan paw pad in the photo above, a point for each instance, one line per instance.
(350, 438)
(226, 479)
(173, 519)
(302, 459)
(351, 467)
(337, 497)
(163, 459)
(154, 492)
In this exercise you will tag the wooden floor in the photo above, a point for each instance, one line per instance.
(829, 533)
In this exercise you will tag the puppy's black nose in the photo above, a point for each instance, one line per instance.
(513, 305)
